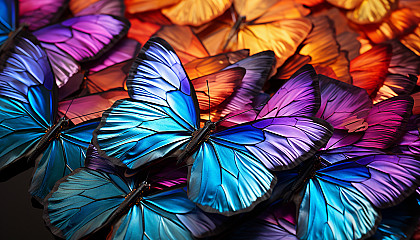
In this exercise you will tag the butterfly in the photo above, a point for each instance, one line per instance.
(340, 198)
(258, 25)
(229, 168)
(153, 207)
(30, 130)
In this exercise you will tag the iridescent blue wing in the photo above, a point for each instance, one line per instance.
(158, 77)
(8, 18)
(26, 99)
(399, 222)
(134, 133)
(230, 172)
(330, 211)
(163, 114)
(63, 155)
(84, 200)
(156, 218)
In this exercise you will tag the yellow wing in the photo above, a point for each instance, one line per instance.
(372, 11)
(283, 37)
(196, 12)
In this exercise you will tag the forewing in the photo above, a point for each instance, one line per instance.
(111, 7)
(26, 99)
(384, 179)
(158, 78)
(79, 39)
(279, 143)
(89, 107)
(133, 133)
(299, 96)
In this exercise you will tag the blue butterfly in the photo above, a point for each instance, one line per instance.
(30, 131)
(230, 170)
(98, 201)
(338, 194)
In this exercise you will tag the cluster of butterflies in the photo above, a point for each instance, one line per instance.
(234, 120)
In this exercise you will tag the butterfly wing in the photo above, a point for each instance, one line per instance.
(26, 96)
(204, 66)
(370, 69)
(8, 18)
(79, 39)
(346, 108)
(89, 107)
(163, 115)
(243, 154)
(386, 122)
(189, 47)
(111, 7)
(196, 13)
(111, 70)
(299, 96)
(217, 86)
(37, 14)
(335, 212)
(62, 157)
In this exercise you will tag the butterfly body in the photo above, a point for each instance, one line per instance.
(198, 137)
(50, 135)
(235, 28)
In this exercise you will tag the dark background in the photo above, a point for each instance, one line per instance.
(18, 219)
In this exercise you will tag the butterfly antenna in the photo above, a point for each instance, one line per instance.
(87, 114)
(208, 93)
(228, 117)
(65, 114)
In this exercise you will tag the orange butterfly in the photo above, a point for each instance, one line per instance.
(258, 26)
